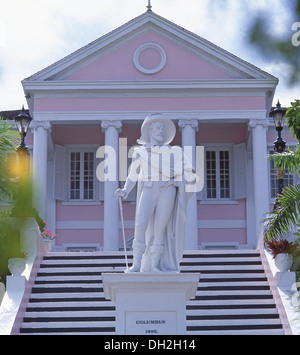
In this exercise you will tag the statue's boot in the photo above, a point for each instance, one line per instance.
(156, 252)
(138, 251)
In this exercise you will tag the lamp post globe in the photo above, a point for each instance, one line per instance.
(23, 121)
(278, 115)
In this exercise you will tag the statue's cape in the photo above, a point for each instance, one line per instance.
(175, 232)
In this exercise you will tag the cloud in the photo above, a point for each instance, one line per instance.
(35, 33)
(2, 35)
(285, 92)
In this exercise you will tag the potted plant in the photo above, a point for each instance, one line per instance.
(281, 251)
(48, 236)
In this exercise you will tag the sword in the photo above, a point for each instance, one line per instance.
(123, 230)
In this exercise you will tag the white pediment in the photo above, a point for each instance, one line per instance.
(150, 48)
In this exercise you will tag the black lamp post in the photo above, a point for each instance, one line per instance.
(23, 121)
(279, 145)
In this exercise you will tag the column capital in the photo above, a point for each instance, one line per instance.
(191, 123)
(116, 124)
(40, 124)
(260, 122)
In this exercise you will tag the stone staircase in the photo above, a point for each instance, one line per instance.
(233, 295)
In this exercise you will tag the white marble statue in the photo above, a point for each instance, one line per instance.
(162, 173)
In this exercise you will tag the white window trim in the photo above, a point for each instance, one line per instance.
(81, 149)
(218, 200)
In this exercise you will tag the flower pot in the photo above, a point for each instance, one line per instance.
(283, 262)
(16, 266)
(48, 244)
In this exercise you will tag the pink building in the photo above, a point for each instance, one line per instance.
(100, 94)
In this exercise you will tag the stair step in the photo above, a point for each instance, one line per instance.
(229, 317)
(101, 332)
(233, 303)
(240, 332)
(69, 324)
(230, 323)
(69, 299)
(69, 270)
(204, 287)
(70, 306)
(65, 289)
(233, 326)
(120, 263)
(68, 329)
(69, 314)
(212, 278)
(70, 286)
(71, 318)
(260, 312)
(97, 296)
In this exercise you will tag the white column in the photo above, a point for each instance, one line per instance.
(111, 206)
(188, 129)
(40, 162)
(260, 171)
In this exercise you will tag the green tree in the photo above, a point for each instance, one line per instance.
(272, 45)
(269, 42)
(9, 236)
(9, 140)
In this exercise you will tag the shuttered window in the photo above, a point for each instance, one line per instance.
(81, 175)
(218, 185)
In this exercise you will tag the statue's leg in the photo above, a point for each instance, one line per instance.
(144, 212)
(156, 252)
(164, 209)
(138, 251)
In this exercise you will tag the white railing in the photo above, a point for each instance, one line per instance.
(18, 288)
(282, 297)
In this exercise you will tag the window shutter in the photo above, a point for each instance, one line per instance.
(60, 173)
(240, 171)
(101, 190)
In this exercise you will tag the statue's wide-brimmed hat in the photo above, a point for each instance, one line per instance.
(169, 128)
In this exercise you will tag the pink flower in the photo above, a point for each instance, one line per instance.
(47, 234)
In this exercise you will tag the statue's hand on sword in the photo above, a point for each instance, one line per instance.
(121, 193)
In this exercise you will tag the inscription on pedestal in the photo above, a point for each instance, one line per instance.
(147, 323)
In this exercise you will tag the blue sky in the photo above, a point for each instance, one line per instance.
(37, 33)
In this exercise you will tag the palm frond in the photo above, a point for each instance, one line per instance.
(285, 215)
(289, 159)
(9, 139)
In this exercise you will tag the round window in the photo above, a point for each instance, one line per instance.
(150, 58)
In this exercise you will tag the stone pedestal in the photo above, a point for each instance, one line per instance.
(150, 304)
(286, 280)
(15, 284)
